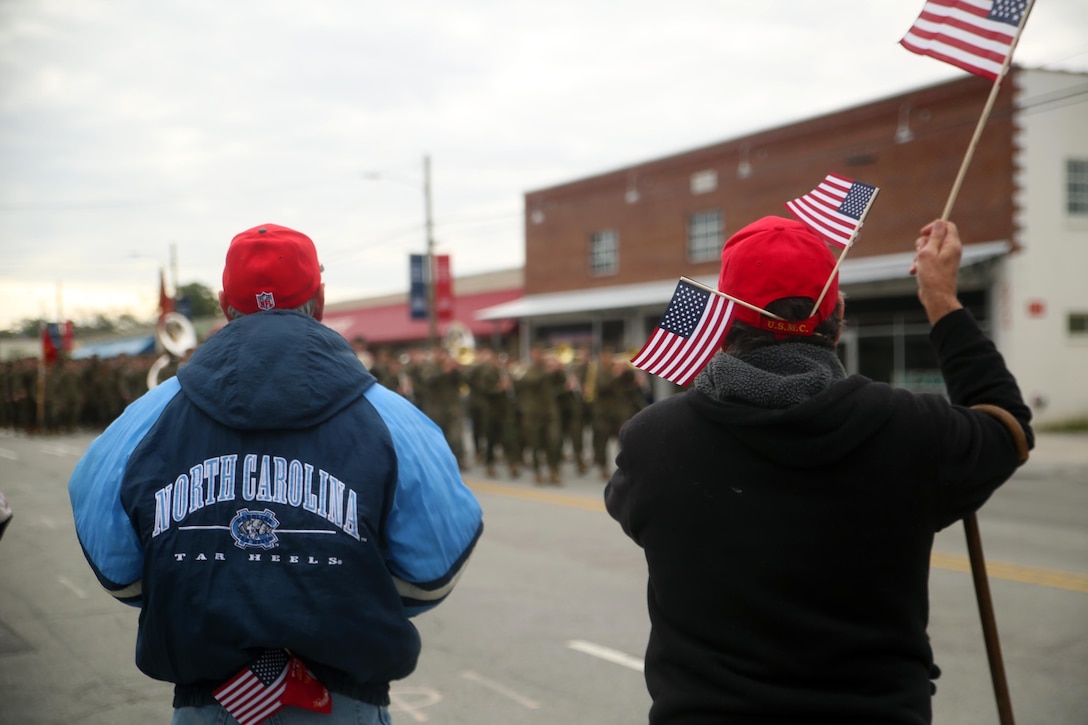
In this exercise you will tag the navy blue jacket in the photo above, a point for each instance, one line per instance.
(272, 495)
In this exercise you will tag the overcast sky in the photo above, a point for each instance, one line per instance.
(132, 127)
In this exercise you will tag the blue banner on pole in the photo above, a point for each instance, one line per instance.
(417, 290)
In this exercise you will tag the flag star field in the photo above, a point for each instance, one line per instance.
(854, 204)
(687, 308)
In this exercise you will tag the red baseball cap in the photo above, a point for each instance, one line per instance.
(774, 258)
(270, 267)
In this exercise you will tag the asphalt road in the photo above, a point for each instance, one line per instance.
(548, 624)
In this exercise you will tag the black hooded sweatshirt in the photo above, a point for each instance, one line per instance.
(788, 547)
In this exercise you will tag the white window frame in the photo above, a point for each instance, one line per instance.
(604, 253)
(1076, 188)
(706, 234)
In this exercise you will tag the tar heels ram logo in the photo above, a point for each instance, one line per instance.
(254, 529)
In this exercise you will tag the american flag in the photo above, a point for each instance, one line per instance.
(688, 335)
(975, 35)
(256, 692)
(835, 209)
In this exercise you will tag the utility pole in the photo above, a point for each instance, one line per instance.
(432, 323)
(174, 266)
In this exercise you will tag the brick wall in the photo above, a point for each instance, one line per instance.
(915, 177)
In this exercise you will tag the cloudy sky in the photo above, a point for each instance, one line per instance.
(131, 128)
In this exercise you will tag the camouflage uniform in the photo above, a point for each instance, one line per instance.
(618, 398)
(443, 379)
(572, 419)
(416, 383)
(537, 392)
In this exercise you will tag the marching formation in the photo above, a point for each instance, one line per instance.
(532, 415)
(559, 406)
(86, 394)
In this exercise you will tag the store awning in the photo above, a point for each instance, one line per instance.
(658, 293)
(390, 323)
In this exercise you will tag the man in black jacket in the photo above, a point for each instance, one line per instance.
(787, 510)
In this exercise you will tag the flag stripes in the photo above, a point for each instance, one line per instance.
(688, 335)
(835, 209)
(975, 35)
(256, 692)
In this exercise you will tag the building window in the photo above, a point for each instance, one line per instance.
(703, 182)
(1076, 187)
(1078, 324)
(704, 236)
(604, 253)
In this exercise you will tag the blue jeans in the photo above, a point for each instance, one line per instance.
(345, 711)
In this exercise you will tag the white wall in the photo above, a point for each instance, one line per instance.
(1051, 268)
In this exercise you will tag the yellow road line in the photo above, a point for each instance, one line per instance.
(1052, 578)
(544, 495)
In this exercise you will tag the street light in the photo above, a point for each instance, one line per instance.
(428, 275)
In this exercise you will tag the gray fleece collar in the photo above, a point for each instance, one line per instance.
(777, 376)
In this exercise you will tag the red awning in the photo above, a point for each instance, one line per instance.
(385, 324)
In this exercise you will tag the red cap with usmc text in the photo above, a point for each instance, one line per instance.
(772, 259)
(270, 267)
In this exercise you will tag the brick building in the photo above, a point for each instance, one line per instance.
(603, 254)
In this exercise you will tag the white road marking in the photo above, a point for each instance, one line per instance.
(71, 585)
(605, 653)
(522, 700)
(409, 699)
(10, 455)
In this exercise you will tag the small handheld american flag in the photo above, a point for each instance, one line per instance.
(975, 35)
(835, 209)
(274, 680)
(688, 335)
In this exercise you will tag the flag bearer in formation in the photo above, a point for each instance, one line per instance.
(443, 379)
(488, 385)
(571, 416)
(787, 511)
(618, 397)
(272, 509)
(537, 394)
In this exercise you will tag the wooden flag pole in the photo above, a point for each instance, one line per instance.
(742, 303)
(984, 117)
(849, 243)
(989, 622)
(974, 539)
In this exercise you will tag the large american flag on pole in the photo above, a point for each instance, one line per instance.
(688, 335)
(975, 35)
(835, 209)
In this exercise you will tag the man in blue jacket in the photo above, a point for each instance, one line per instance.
(272, 504)
(787, 510)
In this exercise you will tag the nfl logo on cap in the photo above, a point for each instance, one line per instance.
(265, 301)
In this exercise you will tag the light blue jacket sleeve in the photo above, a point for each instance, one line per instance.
(105, 532)
(435, 519)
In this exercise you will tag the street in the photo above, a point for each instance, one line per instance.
(549, 622)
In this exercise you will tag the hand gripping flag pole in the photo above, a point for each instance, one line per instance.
(978, 36)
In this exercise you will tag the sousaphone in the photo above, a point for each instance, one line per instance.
(177, 337)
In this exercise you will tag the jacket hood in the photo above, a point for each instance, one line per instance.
(824, 429)
(278, 369)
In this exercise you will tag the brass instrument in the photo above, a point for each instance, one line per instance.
(460, 343)
(589, 388)
(177, 337)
